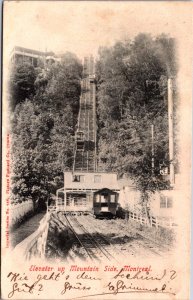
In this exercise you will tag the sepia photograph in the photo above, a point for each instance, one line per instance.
(96, 177)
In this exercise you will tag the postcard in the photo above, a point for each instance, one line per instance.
(96, 157)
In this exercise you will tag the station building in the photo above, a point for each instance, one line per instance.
(162, 204)
(80, 187)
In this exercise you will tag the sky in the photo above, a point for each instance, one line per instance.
(81, 26)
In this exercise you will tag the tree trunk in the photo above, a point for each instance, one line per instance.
(145, 202)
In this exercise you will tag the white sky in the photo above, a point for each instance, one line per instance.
(81, 27)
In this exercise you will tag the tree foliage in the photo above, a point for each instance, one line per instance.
(43, 130)
(131, 97)
(21, 83)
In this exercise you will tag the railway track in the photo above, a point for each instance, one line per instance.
(94, 245)
(84, 157)
(89, 222)
(145, 242)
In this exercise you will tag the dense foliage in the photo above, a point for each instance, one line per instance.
(43, 124)
(131, 97)
(22, 80)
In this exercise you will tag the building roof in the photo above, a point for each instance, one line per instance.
(105, 190)
(31, 51)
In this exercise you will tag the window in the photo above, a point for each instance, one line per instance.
(104, 198)
(97, 199)
(78, 178)
(81, 178)
(166, 202)
(169, 203)
(97, 178)
(112, 198)
(162, 202)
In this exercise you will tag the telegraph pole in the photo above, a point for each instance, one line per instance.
(152, 150)
(171, 131)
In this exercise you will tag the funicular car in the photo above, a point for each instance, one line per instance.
(80, 139)
(105, 203)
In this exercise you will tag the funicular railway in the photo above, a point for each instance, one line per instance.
(84, 181)
(85, 144)
(85, 140)
(88, 191)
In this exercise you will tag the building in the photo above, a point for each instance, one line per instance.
(34, 57)
(79, 189)
(164, 204)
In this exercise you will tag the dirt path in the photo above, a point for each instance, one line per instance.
(25, 229)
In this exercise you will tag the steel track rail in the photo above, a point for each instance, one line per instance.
(71, 227)
(98, 245)
(107, 240)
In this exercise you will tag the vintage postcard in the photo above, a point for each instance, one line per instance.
(96, 168)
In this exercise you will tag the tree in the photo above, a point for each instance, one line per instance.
(21, 83)
(131, 97)
(63, 87)
(43, 132)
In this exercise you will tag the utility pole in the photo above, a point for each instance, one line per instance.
(152, 150)
(171, 131)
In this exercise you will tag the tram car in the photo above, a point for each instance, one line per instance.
(105, 203)
(80, 136)
(80, 139)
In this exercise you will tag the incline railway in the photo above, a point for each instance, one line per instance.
(86, 189)
(85, 139)
(88, 192)
(93, 244)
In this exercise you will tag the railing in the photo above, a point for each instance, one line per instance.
(20, 210)
(35, 244)
(138, 218)
(152, 221)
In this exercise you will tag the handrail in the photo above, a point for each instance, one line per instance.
(19, 210)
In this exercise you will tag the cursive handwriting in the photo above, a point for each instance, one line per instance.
(16, 276)
(78, 286)
(85, 276)
(21, 285)
(120, 286)
(139, 275)
(25, 288)
(122, 282)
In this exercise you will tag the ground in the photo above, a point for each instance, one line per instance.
(85, 236)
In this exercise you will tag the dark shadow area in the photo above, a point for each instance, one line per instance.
(89, 146)
(26, 228)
